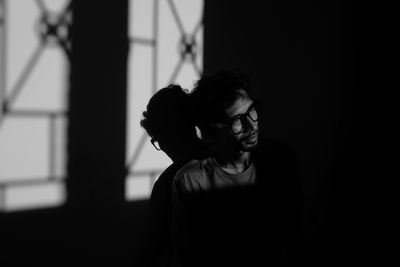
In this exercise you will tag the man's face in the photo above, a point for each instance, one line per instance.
(241, 132)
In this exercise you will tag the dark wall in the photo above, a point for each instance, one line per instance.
(315, 67)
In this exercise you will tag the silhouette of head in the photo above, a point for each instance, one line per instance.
(168, 122)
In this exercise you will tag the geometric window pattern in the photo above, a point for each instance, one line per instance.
(34, 67)
(166, 46)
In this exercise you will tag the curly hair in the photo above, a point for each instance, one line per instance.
(166, 110)
(213, 94)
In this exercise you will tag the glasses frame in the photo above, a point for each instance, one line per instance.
(155, 143)
(242, 117)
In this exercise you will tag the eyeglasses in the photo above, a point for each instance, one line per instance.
(155, 143)
(237, 123)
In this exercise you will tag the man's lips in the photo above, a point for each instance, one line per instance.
(252, 137)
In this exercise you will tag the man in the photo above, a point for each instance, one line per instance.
(171, 129)
(240, 205)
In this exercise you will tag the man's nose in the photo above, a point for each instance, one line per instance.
(250, 124)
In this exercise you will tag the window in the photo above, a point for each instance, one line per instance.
(166, 38)
(34, 64)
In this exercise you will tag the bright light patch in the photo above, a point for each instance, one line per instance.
(141, 18)
(138, 187)
(23, 149)
(140, 69)
(152, 159)
(55, 5)
(45, 87)
(24, 197)
(22, 40)
(33, 83)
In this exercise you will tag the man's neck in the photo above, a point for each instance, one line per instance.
(233, 161)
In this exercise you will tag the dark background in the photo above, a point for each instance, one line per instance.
(315, 67)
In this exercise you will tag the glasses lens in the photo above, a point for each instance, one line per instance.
(237, 126)
(253, 114)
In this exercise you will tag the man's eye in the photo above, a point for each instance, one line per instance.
(237, 122)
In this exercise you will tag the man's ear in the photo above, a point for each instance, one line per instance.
(207, 134)
(198, 132)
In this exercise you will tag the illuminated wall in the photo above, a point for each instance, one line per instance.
(166, 47)
(34, 65)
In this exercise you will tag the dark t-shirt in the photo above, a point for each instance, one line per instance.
(247, 224)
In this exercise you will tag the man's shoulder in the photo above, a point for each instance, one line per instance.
(193, 175)
(193, 168)
(168, 174)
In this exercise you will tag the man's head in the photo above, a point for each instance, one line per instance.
(168, 123)
(224, 111)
